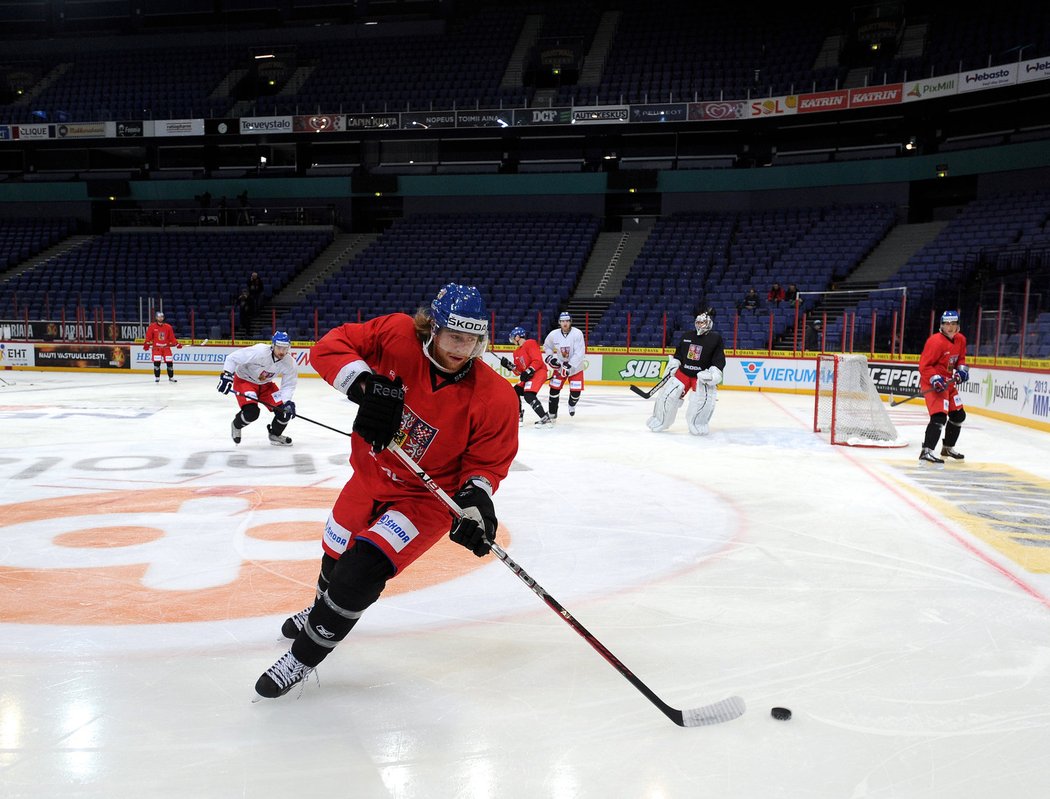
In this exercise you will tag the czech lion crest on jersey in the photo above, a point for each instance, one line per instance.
(416, 434)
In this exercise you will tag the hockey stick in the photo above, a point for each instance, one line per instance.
(648, 394)
(895, 403)
(298, 415)
(715, 713)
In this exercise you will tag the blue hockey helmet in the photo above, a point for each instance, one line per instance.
(516, 332)
(462, 310)
(281, 339)
(950, 317)
(565, 317)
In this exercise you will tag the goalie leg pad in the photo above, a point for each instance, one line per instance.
(666, 406)
(701, 408)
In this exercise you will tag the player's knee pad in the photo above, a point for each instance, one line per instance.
(530, 396)
(359, 577)
(956, 417)
(519, 389)
(701, 408)
(666, 406)
(938, 419)
(554, 392)
(250, 412)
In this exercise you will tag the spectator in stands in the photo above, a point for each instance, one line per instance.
(751, 301)
(791, 293)
(775, 295)
(243, 304)
(814, 335)
(255, 292)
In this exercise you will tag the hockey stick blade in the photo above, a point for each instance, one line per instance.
(648, 394)
(896, 402)
(715, 713)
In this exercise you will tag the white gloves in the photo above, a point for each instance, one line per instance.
(712, 375)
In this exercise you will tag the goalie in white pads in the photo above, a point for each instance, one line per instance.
(697, 363)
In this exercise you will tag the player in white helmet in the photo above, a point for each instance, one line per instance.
(697, 363)
(564, 351)
(160, 336)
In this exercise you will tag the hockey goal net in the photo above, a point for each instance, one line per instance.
(848, 407)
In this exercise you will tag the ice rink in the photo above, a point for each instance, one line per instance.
(146, 563)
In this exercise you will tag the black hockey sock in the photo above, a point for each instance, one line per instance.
(933, 435)
(171, 370)
(537, 406)
(276, 427)
(156, 370)
(951, 434)
(552, 405)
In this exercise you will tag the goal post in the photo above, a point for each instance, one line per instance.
(847, 406)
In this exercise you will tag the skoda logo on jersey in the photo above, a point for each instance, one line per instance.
(462, 324)
(751, 370)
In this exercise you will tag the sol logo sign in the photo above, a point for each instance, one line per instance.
(175, 555)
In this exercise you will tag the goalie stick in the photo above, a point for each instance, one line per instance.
(706, 715)
(648, 394)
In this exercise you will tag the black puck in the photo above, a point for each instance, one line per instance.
(780, 713)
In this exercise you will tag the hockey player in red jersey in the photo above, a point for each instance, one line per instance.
(529, 366)
(697, 365)
(419, 380)
(161, 337)
(942, 366)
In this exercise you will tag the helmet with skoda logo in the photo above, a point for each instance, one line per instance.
(461, 310)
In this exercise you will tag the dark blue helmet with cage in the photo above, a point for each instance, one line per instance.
(461, 310)
(516, 332)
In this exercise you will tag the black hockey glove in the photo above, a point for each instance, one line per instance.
(225, 383)
(381, 402)
(528, 373)
(285, 412)
(476, 528)
(507, 363)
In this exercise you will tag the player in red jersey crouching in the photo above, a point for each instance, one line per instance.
(420, 380)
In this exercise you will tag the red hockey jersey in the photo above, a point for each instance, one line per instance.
(455, 429)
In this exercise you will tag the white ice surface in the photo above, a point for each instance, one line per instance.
(850, 585)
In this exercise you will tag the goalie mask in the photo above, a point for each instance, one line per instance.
(458, 309)
(704, 321)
